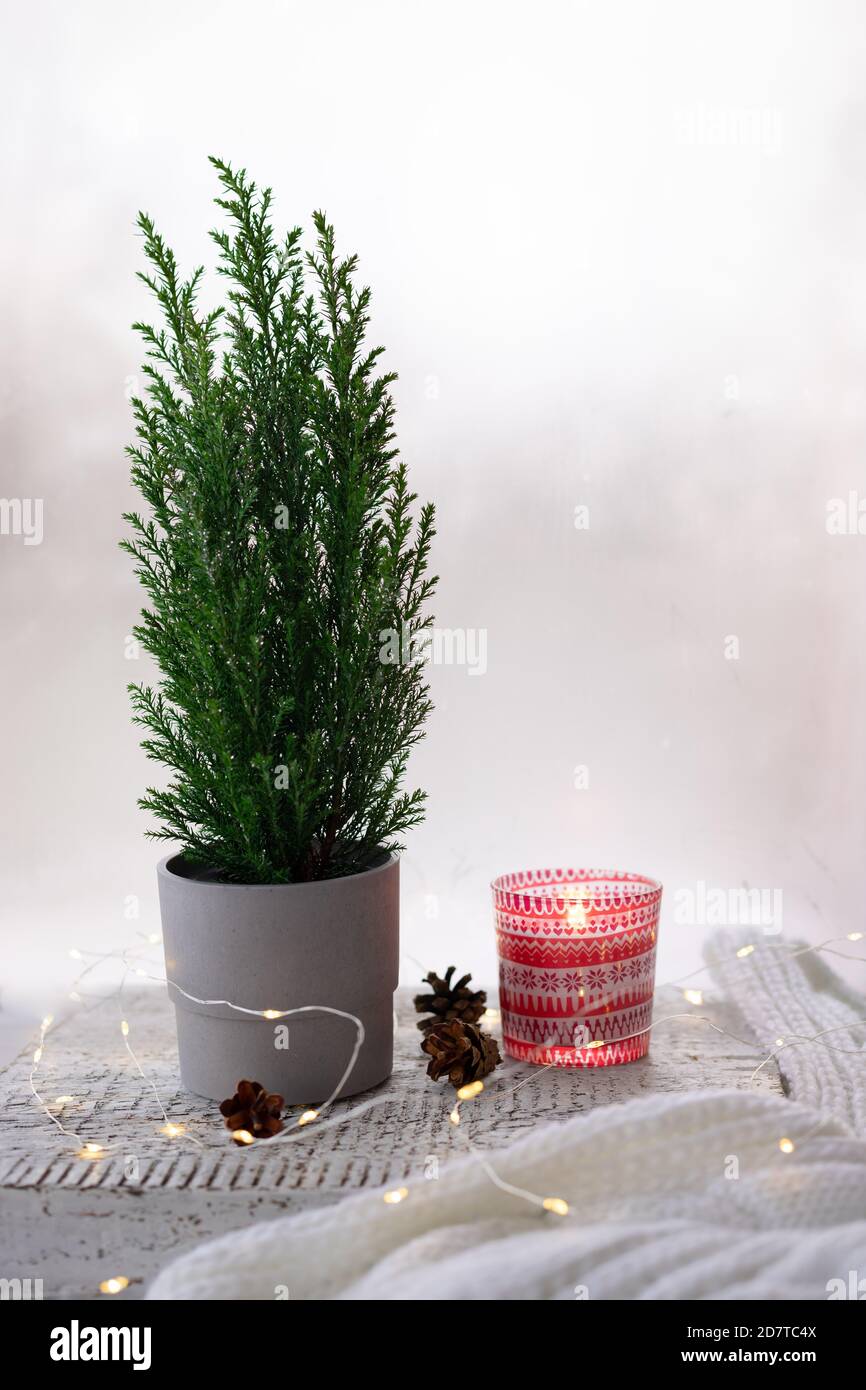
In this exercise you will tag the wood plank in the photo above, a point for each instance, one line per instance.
(74, 1222)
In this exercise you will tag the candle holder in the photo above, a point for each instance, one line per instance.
(577, 952)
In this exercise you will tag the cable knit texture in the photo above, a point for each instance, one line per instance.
(685, 1196)
(783, 995)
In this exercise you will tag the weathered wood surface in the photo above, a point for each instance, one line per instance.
(73, 1222)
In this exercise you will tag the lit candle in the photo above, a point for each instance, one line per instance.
(577, 954)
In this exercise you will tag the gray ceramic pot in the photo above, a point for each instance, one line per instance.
(281, 946)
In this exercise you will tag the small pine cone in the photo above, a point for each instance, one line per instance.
(449, 1001)
(253, 1108)
(460, 1051)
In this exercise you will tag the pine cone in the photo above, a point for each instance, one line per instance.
(449, 1001)
(461, 1051)
(253, 1108)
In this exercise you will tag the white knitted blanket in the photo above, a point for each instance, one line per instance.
(673, 1197)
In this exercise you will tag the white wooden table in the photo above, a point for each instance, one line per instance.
(74, 1222)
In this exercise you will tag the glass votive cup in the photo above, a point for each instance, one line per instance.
(577, 952)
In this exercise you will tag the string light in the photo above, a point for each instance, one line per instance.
(786, 1145)
(360, 1032)
(89, 1150)
(817, 1038)
(177, 1131)
(556, 1205)
(509, 1187)
(115, 1285)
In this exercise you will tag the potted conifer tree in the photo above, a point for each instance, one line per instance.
(279, 542)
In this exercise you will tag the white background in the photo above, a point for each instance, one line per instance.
(617, 255)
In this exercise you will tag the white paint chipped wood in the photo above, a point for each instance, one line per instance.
(74, 1222)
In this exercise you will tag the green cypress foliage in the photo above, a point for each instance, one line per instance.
(278, 544)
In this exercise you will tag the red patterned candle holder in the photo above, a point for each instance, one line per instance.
(577, 953)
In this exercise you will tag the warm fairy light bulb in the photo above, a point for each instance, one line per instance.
(855, 936)
(47, 1021)
(491, 1016)
(271, 1013)
(90, 1151)
(454, 1117)
(745, 951)
(470, 1091)
(308, 1117)
(75, 996)
(786, 1145)
(115, 1285)
(64, 1100)
(172, 1130)
(598, 1042)
(242, 1136)
(154, 938)
(75, 954)
(693, 996)
(395, 1195)
(556, 1205)
(124, 1028)
(142, 974)
(37, 1056)
(780, 1042)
